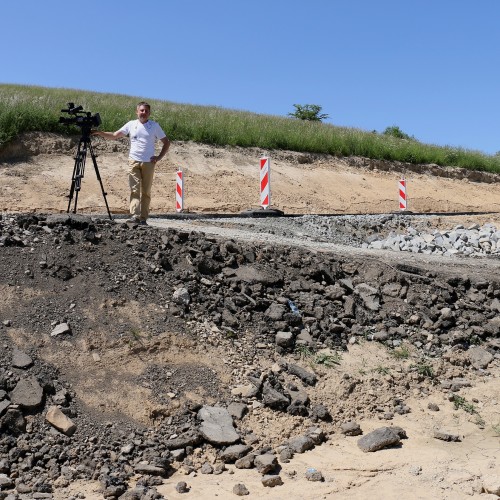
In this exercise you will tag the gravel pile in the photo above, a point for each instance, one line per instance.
(473, 241)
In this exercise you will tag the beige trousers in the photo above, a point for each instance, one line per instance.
(140, 179)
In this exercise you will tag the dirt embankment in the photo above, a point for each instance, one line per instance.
(36, 172)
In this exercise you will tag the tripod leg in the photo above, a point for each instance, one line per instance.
(98, 175)
(76, 177)
(80, 171)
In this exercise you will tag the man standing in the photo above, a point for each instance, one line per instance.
(143, 134)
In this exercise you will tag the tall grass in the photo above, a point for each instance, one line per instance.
(30, 108)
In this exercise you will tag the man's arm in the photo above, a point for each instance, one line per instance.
(163, 152)
(108, 135)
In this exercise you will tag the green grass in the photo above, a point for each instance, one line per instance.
(29, 108)
(401, 353)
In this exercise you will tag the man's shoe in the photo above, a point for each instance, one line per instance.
(133, 220)
(143, 223)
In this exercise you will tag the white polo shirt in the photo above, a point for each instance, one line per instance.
(143, 137)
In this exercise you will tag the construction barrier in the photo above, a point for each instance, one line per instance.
(179, 191)
(403, 202)
(265, 182)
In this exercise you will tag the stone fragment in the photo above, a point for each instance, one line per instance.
(304, 375)
(301, 444)
(245, 462)
(446, 436)
(479, 357)
(60, 421)
(266, 463)
(240, 489)
(314, 475)
(237, 410)
(60, 329)
(28, 394)
(351, 429)
(217, 426)
(272, 480)
(21, 360)
(234, 452)
(273, 398)
(379, 439)
(182, 487)
(284, 339)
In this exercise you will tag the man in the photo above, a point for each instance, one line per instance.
(143, 134)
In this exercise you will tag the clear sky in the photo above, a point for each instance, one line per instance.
(430, 67)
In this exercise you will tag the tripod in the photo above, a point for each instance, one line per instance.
(84, 145)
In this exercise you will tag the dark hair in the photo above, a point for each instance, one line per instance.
(145, 104)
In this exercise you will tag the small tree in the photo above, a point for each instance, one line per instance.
(309, 112)
(395, 131)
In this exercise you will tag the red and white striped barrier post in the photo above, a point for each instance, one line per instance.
(179, 191)
(403, 202)
(265, 182)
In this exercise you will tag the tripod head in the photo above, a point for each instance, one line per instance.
(83, 119)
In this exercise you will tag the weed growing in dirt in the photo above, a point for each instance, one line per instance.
(462, 403)
(496, 429)
(401, 353)
(304, 352)
(382, 370)
(425, 370)
(328, 360)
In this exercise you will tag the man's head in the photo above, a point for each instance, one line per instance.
(143, 111)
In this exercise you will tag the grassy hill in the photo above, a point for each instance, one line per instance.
(30, 108)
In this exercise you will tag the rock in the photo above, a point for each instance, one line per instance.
(274, 399)
(379, 439)
(28, 394)
(5, 482)
(234, 452)
(284, 339)
(304, 375)
(272, 480)
(181, 296)
(60, 421)
(433, 407)
(314, 475)
(479, 357)
(60, 329)
(191, 439)
(4, 404)
(21, 360)
(245, 462)
(275, 312)
(301, 444)
(245, 391)
(237, 410)
(265, 463)
(446, 436)
(181, 487)
(320, 412)
(240, 489)
(206, 468)
(217, 426)
(150, 470)
(14, 421)
(351, 429)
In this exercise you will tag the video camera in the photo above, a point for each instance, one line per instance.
(80, 118)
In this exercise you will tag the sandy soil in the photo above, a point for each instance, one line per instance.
(35, 176)
(36, 173)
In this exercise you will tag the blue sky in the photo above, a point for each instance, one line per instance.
(430, 67)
